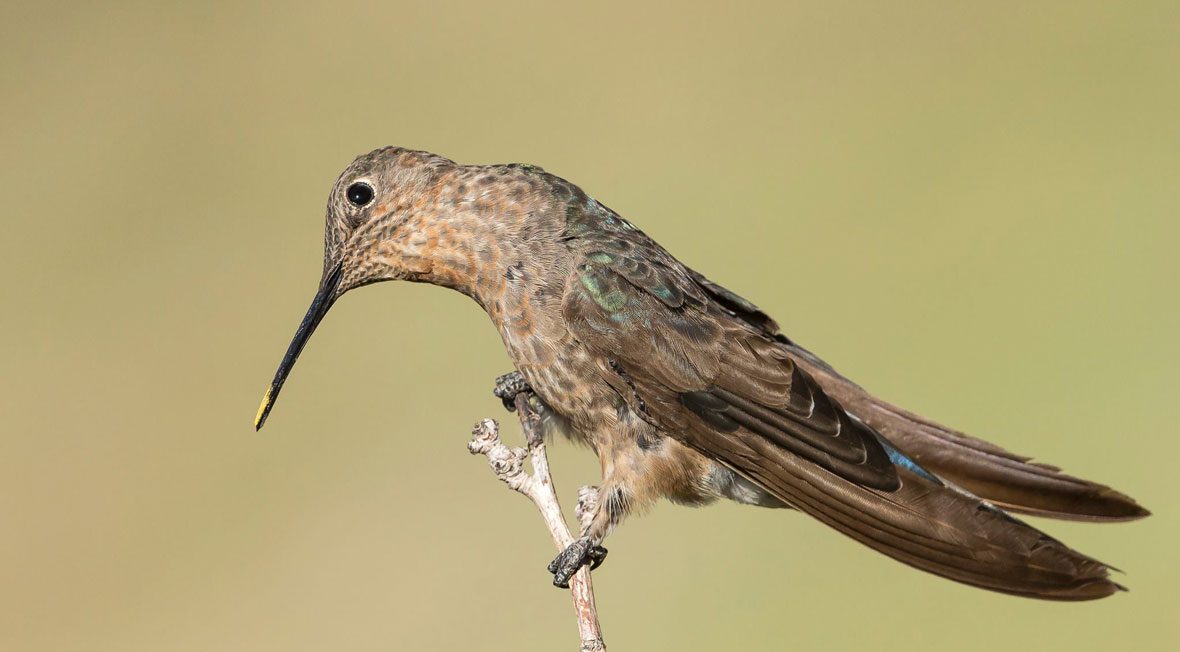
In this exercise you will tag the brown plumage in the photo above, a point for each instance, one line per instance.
(686, 390)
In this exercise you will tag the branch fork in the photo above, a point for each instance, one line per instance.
(508, 465)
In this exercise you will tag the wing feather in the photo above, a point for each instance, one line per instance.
(988, 470)
(727, 388)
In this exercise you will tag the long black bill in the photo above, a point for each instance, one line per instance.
(319, 307)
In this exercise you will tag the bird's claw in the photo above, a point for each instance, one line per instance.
(597, 555)
(508, 386)
(580, 553)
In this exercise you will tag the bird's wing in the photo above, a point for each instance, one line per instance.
(1008, 479)
(726, 390)
(721, 373)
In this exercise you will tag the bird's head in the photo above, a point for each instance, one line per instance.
(389, 217)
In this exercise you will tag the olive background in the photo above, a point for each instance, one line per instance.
(970, 208)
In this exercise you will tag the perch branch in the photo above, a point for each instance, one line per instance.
(508, 465)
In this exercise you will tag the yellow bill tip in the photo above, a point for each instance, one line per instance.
(262, 410)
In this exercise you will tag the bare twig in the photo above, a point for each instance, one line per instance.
(508, 465)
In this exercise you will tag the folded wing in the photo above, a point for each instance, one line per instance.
(983, 468)
(725, 388)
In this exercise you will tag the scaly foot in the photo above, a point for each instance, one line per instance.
(577, 554)
(508, 386)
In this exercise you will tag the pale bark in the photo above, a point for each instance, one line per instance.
(508, 465)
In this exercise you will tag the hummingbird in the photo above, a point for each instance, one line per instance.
(687, 391)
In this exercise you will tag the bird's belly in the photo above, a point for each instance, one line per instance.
(570, 385)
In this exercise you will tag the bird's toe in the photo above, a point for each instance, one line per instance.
(577, 554)
(508, 386)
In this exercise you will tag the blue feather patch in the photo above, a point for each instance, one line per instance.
(900, 459)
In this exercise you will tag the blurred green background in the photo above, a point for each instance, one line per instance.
(968, 207)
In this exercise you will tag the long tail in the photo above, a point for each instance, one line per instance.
(946, 531)
(984, 469)
(924, 522)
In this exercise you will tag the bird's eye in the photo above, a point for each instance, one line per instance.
(360, 193)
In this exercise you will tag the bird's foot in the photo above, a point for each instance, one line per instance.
(508, 386)
(577, 554)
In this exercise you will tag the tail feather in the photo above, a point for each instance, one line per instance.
(925, 523)
(1006, 479)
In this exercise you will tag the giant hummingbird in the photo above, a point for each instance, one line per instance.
(684, 389)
